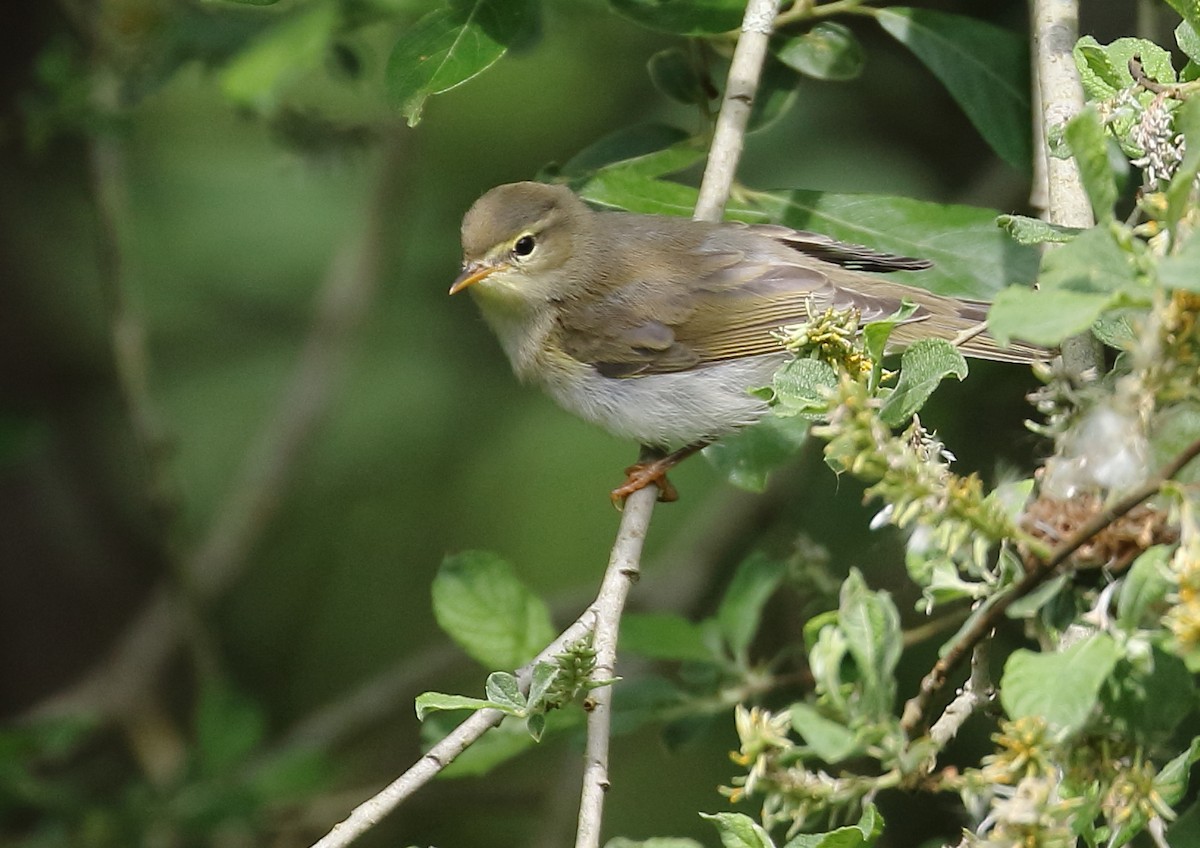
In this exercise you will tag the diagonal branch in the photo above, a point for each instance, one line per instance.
(1036, 573)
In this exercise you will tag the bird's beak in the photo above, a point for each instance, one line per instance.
(471, 274)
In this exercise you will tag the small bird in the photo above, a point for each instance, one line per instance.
(655, 327)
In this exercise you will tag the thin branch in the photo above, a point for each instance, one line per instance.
(367, 814)
(723, 156)
(730, 132)
(1036, 573)
(623, 570)
(974, 694)
(1055, 31)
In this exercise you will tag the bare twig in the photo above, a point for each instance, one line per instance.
(974, 694)
(730, 132)
(1055, 31)
(1036, 573)
(623, 569)
(367, 814)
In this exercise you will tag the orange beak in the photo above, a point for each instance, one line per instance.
(471, 274)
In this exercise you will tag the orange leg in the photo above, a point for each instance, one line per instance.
(652, 468)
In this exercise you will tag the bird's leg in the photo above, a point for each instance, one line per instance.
(652, 467)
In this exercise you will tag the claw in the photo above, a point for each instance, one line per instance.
(653, 471)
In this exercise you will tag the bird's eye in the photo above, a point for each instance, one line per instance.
(523, 246)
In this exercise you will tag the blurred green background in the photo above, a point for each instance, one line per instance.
(328, 424)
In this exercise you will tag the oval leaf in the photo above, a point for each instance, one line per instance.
(1043, 317)
(1061, 688)
(828, 51)
(985, 68)
(923, 366)
(479, 602)
(972, 257)
(449, 46)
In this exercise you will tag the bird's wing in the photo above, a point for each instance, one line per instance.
(853, 256)
(737, 291)
(740, 289)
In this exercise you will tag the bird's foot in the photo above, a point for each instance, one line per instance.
(644, 474)
(652, 468)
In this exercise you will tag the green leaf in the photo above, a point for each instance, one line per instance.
(826, 653)
(1188, 40)
(683, 17)
(1176, 427)
(802, 386)
(1027, 230)
(1104, 68)
(229, 727)
(1172, 781)
(1145, 586)
(775, 95)
(622, 187)
(828, 51)
(746, 458)
(1179, 192)
(1079, 280)
(1044, 317)
(657, 842)
(972, 257)
(1148, 697)
(740, 612)
(281, 55)
(923, 366)
(876, 335)
(1088, 141)
(431, 702)
(1092, 262)
(664, 636)
(673, 72)
(479, 602)
(871, 624)
(637, 148)
(862, 835)
(739, 831)
(832, 741)
(543, 677)
(503, 690)
(449, 46)
(985, 68)
(1189, 10)
(1061, 688)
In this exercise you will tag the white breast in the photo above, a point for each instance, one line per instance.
(671, 410)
